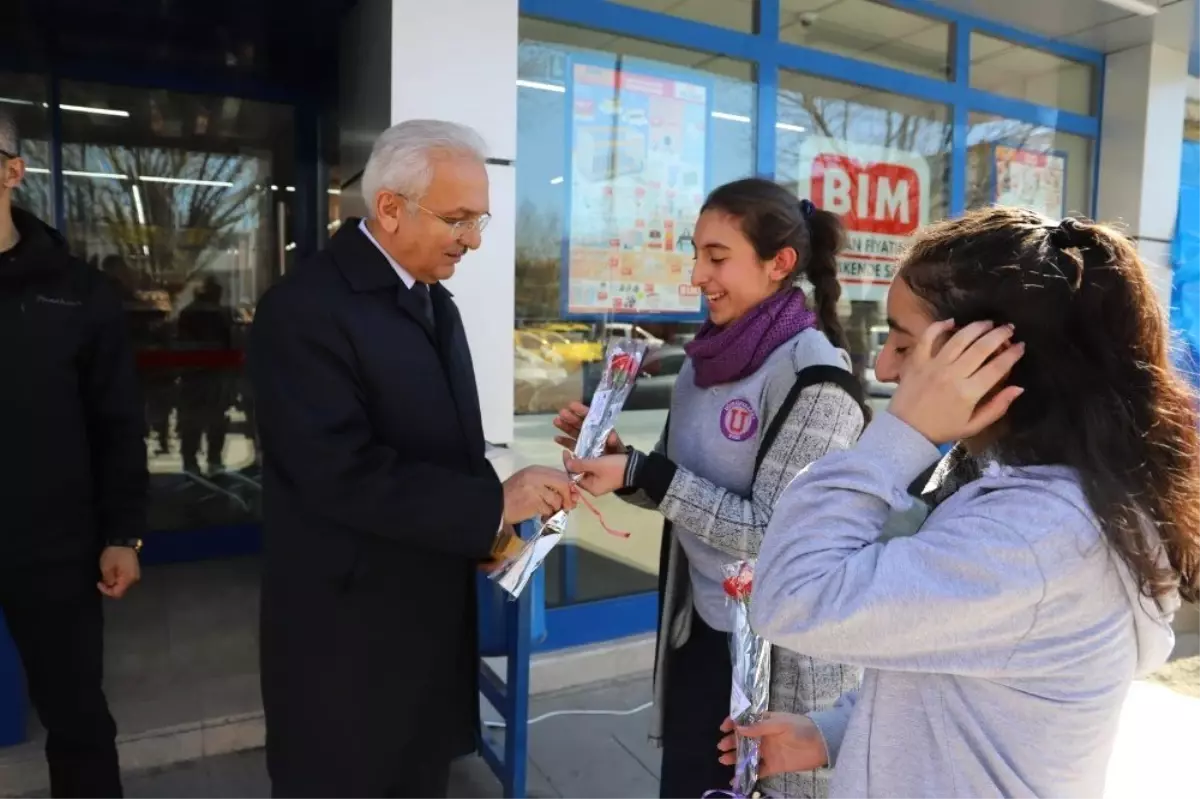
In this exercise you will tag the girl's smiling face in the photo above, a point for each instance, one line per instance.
(728, 270)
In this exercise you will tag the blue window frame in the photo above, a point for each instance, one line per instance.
(623, 616)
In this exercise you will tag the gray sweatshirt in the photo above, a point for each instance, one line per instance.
(999, 640)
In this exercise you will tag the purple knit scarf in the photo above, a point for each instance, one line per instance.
(728, 354)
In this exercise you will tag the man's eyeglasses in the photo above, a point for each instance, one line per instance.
(458, 227)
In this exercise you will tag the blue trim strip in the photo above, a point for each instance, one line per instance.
(1096, 143)
(999, 30)
(1023, 111)
(214, 84)
(639, 22)
(960, 122)
(602, 620)
(766, 97)
(765, 49)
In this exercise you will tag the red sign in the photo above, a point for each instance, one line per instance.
(870, 198)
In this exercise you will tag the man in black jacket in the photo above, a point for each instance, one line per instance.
(380, 504)
(72, 481)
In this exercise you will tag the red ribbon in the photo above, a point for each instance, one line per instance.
(596, 512)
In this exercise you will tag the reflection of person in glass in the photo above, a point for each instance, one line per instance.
(1001, 637)
(147, 330)
(205, 395)
(766, 390)
(73, 482)
(380, 503)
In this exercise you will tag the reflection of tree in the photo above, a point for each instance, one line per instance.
(35, 192)
(168, 232)
(538, 256)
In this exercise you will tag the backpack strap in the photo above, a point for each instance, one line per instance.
(806, 377)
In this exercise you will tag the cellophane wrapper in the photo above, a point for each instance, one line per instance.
(622, 364)
(751, 673)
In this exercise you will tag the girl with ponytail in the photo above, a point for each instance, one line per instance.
(766, 390)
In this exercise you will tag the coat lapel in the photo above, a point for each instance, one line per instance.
(408, 301)
(456, 359)
(366, 270)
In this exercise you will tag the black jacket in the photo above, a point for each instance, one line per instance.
(379, 504)
(73, 473)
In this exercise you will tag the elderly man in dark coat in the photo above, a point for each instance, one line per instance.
(379, 503)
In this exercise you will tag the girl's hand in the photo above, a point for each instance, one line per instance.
(599, 476)
(954, 392)
(787, 742)
(570, 420)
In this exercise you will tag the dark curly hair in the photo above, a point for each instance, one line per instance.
(1100, 395)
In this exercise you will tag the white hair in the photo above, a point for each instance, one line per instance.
(10, 142)
(403, 156)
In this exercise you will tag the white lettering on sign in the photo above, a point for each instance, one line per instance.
(881, 195)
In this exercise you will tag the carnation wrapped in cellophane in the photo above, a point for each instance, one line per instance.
(623, 363)
(751, 674)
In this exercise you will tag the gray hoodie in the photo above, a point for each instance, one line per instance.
(999, 640)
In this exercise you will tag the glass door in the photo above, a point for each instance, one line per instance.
(184, 201)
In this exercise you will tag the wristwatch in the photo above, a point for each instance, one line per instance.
(133, 543)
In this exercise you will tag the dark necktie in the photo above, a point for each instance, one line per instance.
(422, 291)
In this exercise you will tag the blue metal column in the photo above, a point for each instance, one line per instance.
(510, 697)
(14, 706)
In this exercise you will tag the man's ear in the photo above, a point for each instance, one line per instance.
(13, 172)
(388, 208)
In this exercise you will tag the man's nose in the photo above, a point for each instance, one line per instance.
(471, 239)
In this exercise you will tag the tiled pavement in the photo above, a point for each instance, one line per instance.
(607, 755)
(570, 755)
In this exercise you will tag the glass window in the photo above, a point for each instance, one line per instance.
(881, 162)
(24, 98)
(735, 14)
(871, 31)
(1191, 120)
(1024, 73)
(618, 142)
(184, 200)
(1017, 163)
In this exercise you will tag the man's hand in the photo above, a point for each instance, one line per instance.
(788, 742)
(570, 422)
(119, 570)
(537, 491)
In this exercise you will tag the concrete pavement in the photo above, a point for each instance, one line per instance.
(582, 754)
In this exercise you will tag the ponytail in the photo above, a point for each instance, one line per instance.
(826, 238)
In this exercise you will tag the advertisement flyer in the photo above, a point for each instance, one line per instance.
(637, 180)
(1030, 179)
(882, 197)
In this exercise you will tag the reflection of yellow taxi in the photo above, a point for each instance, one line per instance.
(572, 347)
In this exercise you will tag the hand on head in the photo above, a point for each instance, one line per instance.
(953, 386)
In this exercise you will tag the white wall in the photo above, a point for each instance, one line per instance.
(1145, 93)
(457, 60)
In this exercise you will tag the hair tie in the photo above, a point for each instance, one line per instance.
(807, 209)
(1068, 235)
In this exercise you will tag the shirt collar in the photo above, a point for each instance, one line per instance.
(408, 279)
